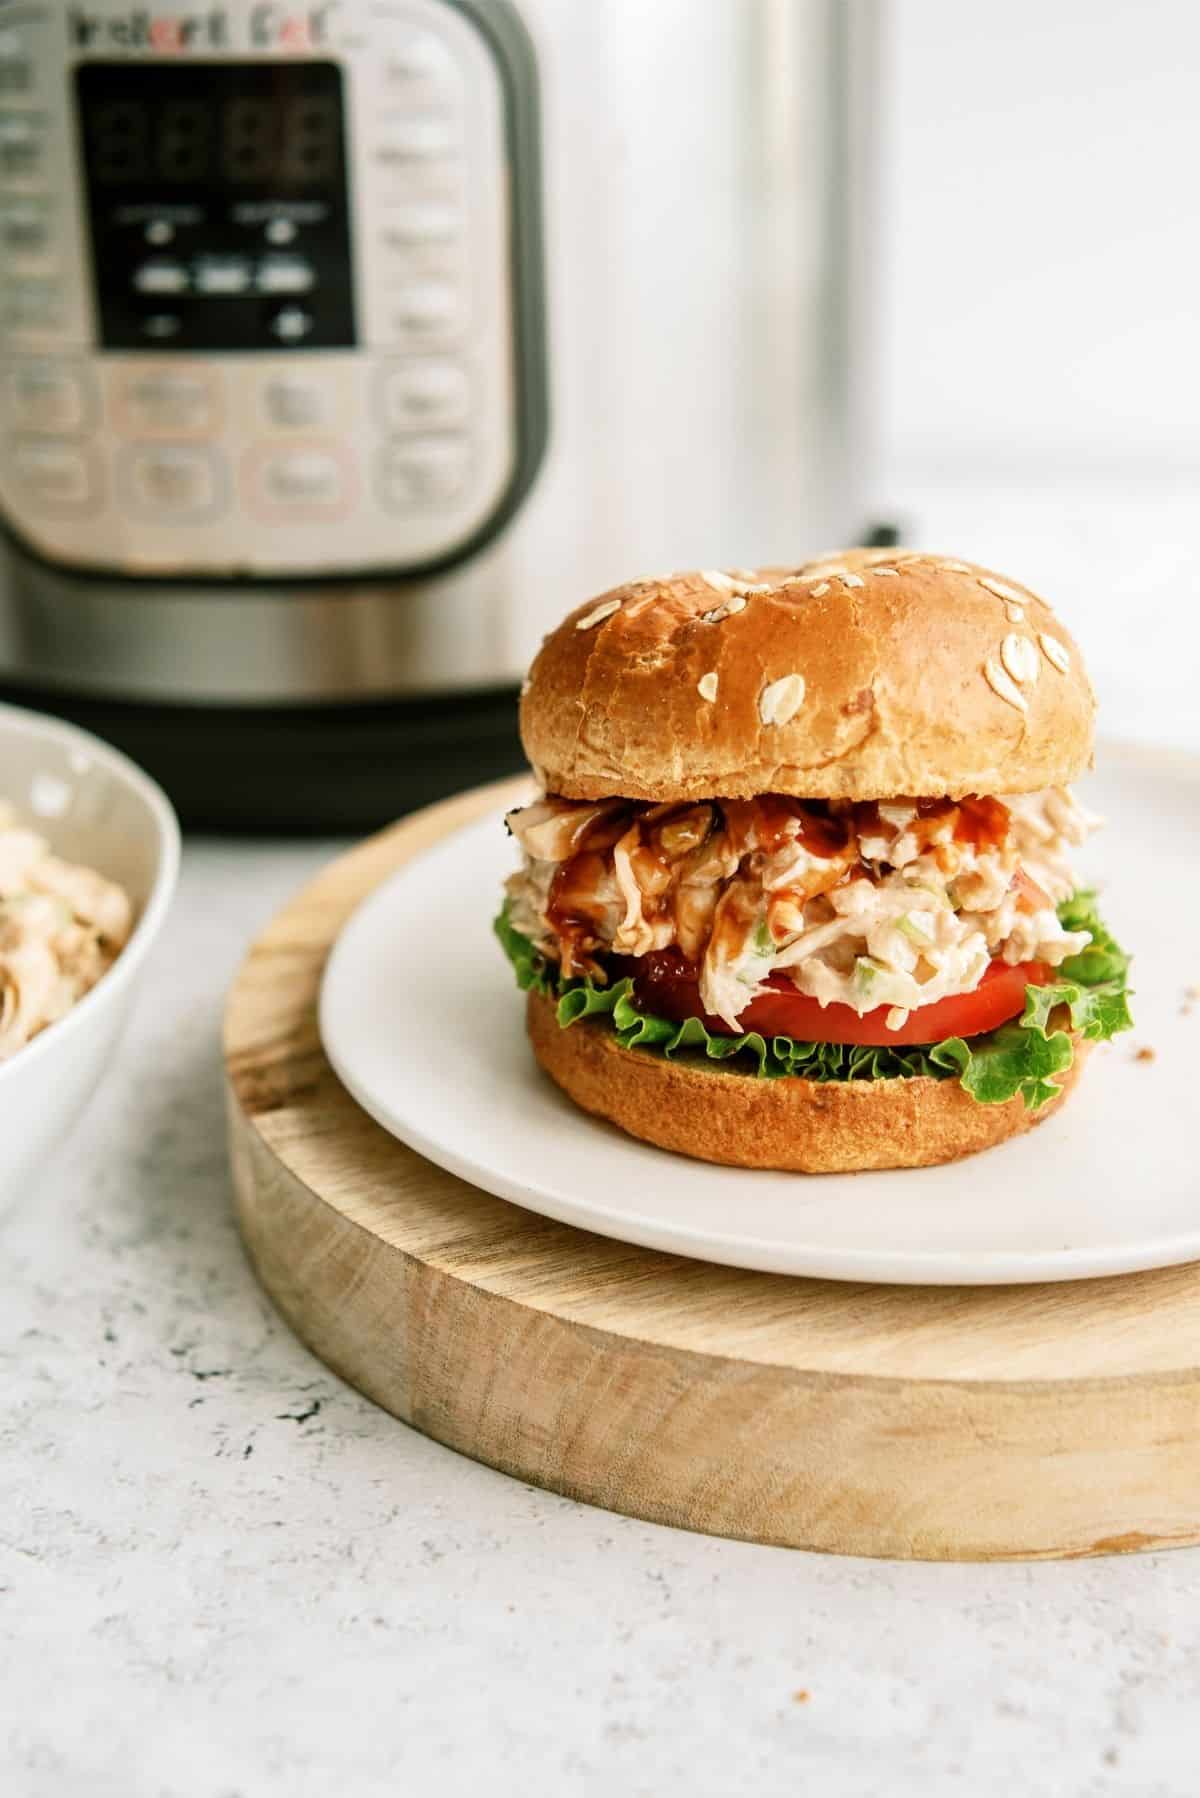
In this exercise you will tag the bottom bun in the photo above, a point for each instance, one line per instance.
(805, 1126)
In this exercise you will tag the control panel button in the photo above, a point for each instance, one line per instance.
(291, 324)
(426, 394)
(305, 482)
(172, 483)
(417, 225)
(427, 310)
(55, 474)
(16, 67)
(160, 327)
(24, 229)
(161, 277)
(420, 69)
(43, 396)
(291, 403)
(284, 274)
(428, 471)
(20, 145)
(31, 303)
(154, 401)
(222, 274)
(405, 142)
(301, 478)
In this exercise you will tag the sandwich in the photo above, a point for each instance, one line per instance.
(797, 892)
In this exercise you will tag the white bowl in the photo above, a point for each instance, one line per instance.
(96, 807)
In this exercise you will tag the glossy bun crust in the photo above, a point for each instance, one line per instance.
(917, 675)
(696, 1108)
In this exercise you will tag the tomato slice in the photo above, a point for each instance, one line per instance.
(668, 985)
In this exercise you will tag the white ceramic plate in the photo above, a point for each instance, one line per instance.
(423, 1023)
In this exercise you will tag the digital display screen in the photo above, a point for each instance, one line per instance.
(290, 140)
(198, 174)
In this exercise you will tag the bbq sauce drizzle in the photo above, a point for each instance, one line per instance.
(666, 836)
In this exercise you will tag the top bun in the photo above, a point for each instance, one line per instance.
(865, 675)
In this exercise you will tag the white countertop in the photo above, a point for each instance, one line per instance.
(225, 1575)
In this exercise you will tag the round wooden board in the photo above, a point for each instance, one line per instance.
(928, 1422)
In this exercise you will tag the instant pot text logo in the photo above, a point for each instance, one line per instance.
(269, 26)
(274, 27)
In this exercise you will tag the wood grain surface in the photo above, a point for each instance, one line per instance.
(928, 1422)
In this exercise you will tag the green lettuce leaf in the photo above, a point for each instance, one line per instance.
(1023, 1056)
(530, 966)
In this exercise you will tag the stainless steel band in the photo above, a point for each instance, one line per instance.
(255, 645)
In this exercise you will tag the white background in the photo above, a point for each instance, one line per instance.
(1040, 321)
(1042, 230)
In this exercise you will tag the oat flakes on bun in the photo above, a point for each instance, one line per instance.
(798, 891)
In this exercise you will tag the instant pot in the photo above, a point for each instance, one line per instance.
(344, 345)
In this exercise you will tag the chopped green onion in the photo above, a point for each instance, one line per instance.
(915, 931)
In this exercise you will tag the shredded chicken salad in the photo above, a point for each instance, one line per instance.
(897, 903)
(61, 928)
